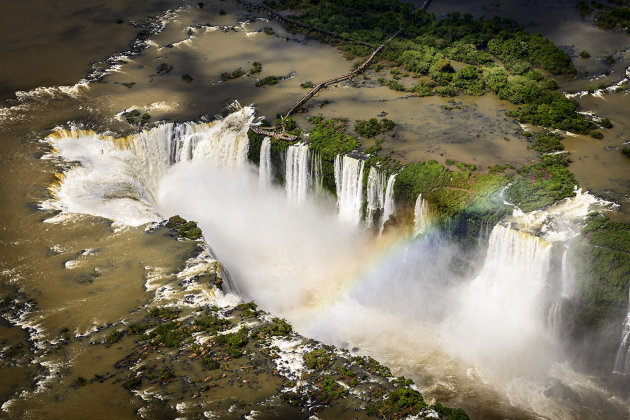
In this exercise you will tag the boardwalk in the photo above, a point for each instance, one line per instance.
(272, 132)
(282, 135)
(338, 79)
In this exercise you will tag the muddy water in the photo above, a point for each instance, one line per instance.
(467, 129)
(85, 272)
(52, 43)
(599, 164)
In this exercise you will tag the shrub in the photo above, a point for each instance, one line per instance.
(318, 359)
(256, 67)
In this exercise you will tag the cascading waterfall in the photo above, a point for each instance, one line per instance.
(566, 290)
(119, 178)
(316, 173)
(375, 194)
(264, 166)
(389, 206)
(298, 173)
(622, 359)
(420, 219)
(349, 182)
(502, 304)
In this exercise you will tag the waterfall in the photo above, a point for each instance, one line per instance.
(264, 167)
(375, 194)
(420, 222)
(298, 173)
(389, 206)
(502, 305)
(622, 359)
(349, 182)
(118, 178)
(316, 173)
(566, 291)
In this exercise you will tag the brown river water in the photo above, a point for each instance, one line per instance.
(74, 275)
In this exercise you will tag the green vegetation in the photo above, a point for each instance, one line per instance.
(131, 116)
(164, 313)
(372, 366)
(248, 310)
(139, 329)
(187, 78)
(166, 374)
(329, 390)
(114, 337)
(602, 260)
(256, 67)
(372, 127)
(608, 16)
(233, 342)
(277, 327)
(451, 413)
(605, 122)
(318, 359)
(307, 84)
(542, 183)
(133, 383)
(626, 151)
(211, 324)
(170, 334)
(128, 85)
(164, 68)
(329, 137)
(400, 403)
(450, 192)
(234, 75)
(585, 54)
(269, 80)
(547, 142)
(184, 229)
(79, 382)
(209, 362)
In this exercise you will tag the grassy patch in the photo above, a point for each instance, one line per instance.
(318, 359)
(372, 127)
(542, 183)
